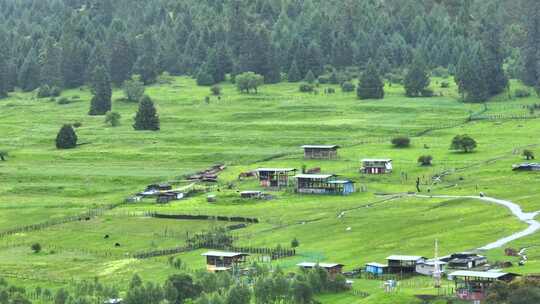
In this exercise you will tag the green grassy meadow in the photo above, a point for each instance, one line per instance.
(39, 183)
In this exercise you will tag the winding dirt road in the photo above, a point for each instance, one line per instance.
(526, 217)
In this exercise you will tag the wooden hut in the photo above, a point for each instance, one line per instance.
(473, 285)
(403, 263)
(217, 261)
(275, 177)
(376, 166)
(320, 151)
(323, 184)
(333, 269)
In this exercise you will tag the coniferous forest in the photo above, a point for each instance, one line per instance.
(64, 43)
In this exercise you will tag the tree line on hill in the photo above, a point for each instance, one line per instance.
(56, 44)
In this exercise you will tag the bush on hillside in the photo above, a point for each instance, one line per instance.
(64, 101)
(463, 143)
(306, 88)
(216, 90)
(522, 93)
(445, 84)
(44, 91)
(36, 247)
(425, 160)
(401, 142)
(134, 88)
(348, 86)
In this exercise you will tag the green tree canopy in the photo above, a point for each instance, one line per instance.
(147, 117)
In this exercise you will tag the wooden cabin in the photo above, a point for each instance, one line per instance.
(465, 260)
(323, 184)
(333, 269)
(473, 285)
(376, 268)
(526, 167)
(403, 263)
(217, 261)
(320, 151)
(275, 178)
(376, 166)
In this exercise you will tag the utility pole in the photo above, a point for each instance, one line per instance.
(437, 273)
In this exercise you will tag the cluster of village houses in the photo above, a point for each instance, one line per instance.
(470, 271)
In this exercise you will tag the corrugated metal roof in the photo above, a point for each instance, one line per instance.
(478, 274)
(223, 254)
(320, 146)
(341, 182)
(405, 258)
(377, 265)
(276, 169)
(314, 176)
(322, 265)
(386, 160)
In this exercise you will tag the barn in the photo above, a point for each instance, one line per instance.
(332, 269)
(217, 261)
(275, 178)
(320, 151)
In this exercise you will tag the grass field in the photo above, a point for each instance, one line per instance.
(39, 183)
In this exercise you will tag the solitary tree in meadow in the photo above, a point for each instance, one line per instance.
(401, 142)
(425, 160)
(147, 117)
(371, 85)
(101, 86)
(36, 247)
(249, 81)
(463, 143)
(66, 138)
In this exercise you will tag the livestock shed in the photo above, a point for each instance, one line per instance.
(473, 285)
(376, 166)
(332, 269)
(403, 263)
(526, 167)
(275, 177)
(320, 151)
(465, 260)
(376, 268)
(217, 261)
(323, 184)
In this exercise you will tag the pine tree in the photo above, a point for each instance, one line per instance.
(531, 50)
(273, 72)
(294, 74)
(122, 60)
(470, 77)
(66, 138)
(51, 64)
(73, 59)
(146, 118)
(101, 87)
(314, 59)
(310, 78)
(493, 51)
(4, 86)
(371, 85)
(204, 78)
(147, 65)
(417, 79)
(29, 73)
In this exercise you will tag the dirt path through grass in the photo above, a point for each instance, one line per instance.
(526, 217)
